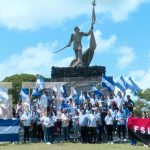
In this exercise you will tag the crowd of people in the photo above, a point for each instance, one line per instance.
(92, 119)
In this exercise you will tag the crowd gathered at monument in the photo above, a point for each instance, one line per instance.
(88, 119)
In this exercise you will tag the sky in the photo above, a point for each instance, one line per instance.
(31, 30)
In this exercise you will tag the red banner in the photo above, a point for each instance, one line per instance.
(140, 127)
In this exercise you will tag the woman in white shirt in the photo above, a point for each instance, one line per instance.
(26, 120)
(109, 124)
(48, 124)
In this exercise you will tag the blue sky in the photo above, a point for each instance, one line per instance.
(31, 30)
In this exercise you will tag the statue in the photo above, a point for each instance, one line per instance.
(82, 59)
(77, 45)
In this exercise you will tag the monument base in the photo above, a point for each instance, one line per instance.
(65, 72)
(79, 77)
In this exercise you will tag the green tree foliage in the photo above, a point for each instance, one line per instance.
(145, 94)
(17, 80)
(141, 105)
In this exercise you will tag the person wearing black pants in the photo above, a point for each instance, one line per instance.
(84, 134)
(121, 128)
(83, 122)
(109, 127)
(109, 133)
(26, 120)
(26, 133)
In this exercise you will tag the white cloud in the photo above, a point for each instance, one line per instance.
(119, 10)
(145, 80)
(125, 56)
(104, 45)
(137, 74)
(141, 76)
(34, 60)
(27, 14)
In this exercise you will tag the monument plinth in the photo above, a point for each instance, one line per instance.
(63, 72)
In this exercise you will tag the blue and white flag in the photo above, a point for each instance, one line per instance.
(96, 91)
(63, 91)
(130, 87)
(55, 91)
(76, 97)
(3, 95)
(135, 86)
(75, 94)
(39, 86)
(81, 96)
(121, 84)
(36, 93)
(9, 130)
(39, 83)
(107, 82)
(24, 94)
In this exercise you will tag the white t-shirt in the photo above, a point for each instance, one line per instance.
(26, 119)
(120, 101)
(65, 120)
(109, 120)
(48, 121)
(92, 120)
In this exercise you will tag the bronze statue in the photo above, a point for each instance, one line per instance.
(76, 38)
(82, 59)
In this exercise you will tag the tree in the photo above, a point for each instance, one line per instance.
(145, 94)
(143, 102)
(17, 80)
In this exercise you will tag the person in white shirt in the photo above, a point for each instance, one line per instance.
(26, 120)
(75, 120)
(34, 118)
(99, 123)
(92, 123)
(109, 124)
(65, 124)
(110, 100)
(120, 99)
(48, 124)
(93, 99)
(121, 123)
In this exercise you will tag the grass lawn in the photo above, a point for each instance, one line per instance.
(69, 146)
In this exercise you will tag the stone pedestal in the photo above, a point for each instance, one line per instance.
(80, 78)
(65, 72)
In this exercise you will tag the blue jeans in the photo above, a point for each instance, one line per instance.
(49, 134)
(75, 131)
(66, 133)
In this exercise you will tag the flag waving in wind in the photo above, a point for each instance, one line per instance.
(133, 86)
(3, 95)
(121, 84)
(24, 94)
(39, 86)
(108, 83)
(40, 83)
(96, 91)
(63, 91)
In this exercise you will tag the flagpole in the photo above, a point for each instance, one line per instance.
(93, 14)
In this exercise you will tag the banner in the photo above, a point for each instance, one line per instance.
(9, 130)
(140, 128)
